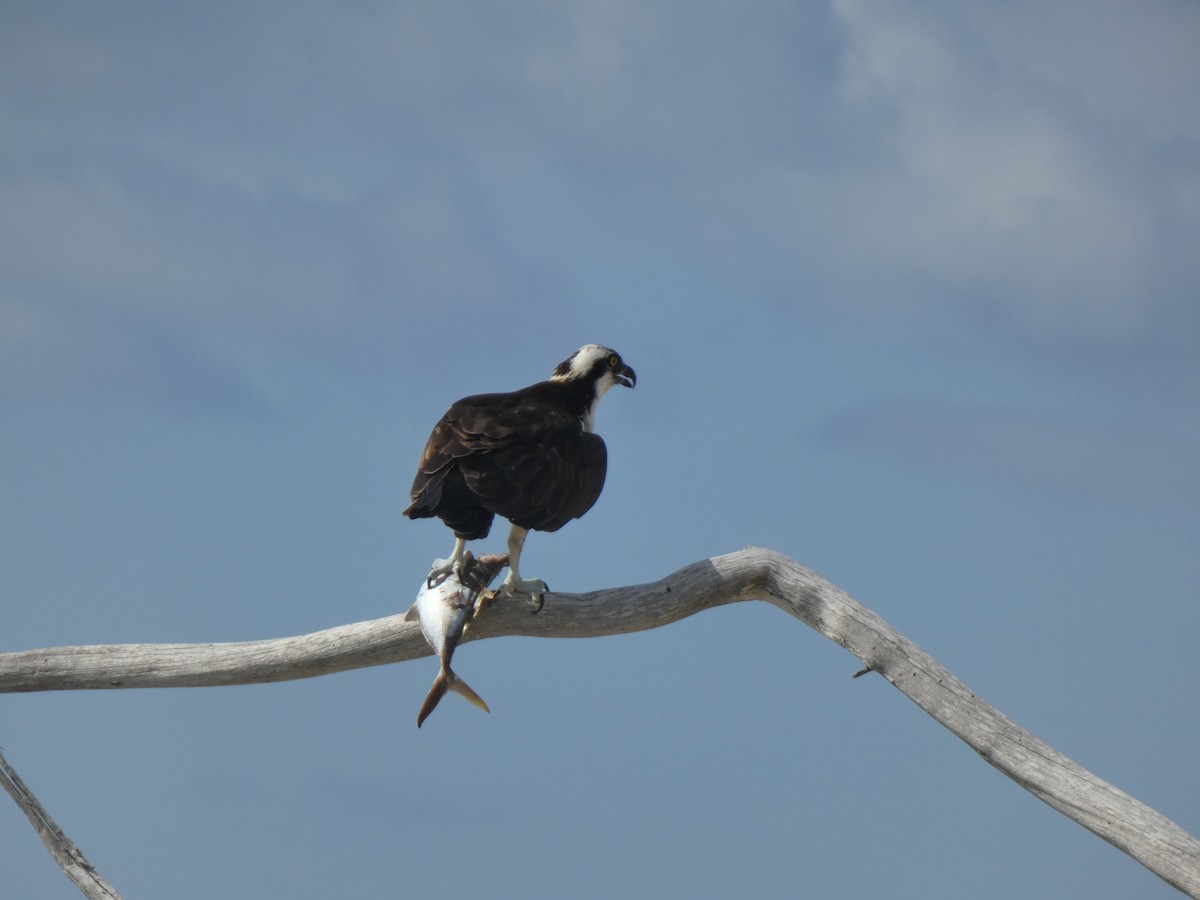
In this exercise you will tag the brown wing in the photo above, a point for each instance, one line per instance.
(517, 455)
(540, 485)
(457, 434)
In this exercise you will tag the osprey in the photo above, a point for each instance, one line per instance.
(530, 457)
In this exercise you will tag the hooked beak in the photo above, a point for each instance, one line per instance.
(626, 376)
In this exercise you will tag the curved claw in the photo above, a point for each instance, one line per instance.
(534, 588)
(441, 570)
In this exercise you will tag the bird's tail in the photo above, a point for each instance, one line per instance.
(447, 681)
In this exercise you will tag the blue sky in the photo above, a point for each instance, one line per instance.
(912, 294)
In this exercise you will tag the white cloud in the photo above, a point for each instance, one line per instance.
(320, 167)
(990, 183)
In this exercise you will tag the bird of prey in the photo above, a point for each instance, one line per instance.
(529, 456)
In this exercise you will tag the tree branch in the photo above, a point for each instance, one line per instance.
(1131, 826)
(69, 857)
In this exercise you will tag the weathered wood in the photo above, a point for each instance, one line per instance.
(1131, 826)
(69, 857)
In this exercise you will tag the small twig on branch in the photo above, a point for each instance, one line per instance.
(69, 857)
(1131, 826)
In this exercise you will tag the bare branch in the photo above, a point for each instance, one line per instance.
(1131, 826)
(69, 857)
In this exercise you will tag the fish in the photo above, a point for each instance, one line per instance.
(445, 610)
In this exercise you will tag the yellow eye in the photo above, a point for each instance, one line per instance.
(614, 361)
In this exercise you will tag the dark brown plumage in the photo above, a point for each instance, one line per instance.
(529, 457)
(523, 456)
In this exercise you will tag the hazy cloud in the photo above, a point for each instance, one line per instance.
(1119, 460)
(990, 184)
(334, 169)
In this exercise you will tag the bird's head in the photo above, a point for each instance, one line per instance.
(601, 366)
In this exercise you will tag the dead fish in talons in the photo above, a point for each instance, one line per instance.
(444, 611)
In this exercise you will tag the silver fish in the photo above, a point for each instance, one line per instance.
(444, 611)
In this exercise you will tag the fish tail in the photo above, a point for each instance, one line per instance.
(447, 680)
(463, 689)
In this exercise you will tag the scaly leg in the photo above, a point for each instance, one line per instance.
(514, 583)
(443, 567)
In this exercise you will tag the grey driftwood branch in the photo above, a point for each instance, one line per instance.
(753, 574)
(69, 857)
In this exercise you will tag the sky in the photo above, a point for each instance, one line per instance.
(913, 296)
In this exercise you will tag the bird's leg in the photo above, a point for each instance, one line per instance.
(514, 584)
(443, 567)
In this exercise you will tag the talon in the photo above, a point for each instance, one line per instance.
(436, 577)
(453, 565)
(532, 588)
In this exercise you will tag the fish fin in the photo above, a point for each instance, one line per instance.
(434, 697)
(463, 689)
(447, 681)
(412, 615)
